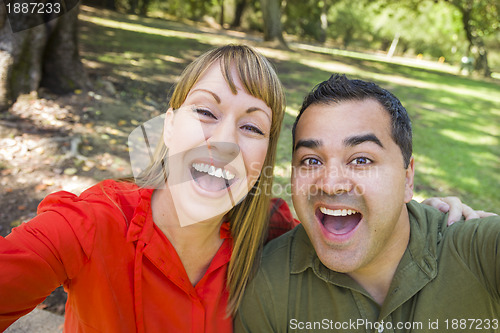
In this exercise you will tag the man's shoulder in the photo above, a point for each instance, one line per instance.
(277, 253)
(283, 255)
(280, 247)
(433, 223)
(425, 214)
(474, 233)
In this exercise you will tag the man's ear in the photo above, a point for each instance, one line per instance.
(410, 174)
(168, 126)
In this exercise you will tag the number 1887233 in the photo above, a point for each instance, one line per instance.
(33, 8)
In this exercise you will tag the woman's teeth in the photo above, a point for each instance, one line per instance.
(213, 171)
(337, 212)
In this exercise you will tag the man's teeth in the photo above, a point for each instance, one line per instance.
(337, 212)
(213, 171)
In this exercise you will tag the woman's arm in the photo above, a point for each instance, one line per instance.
(39, 256)
(455, 208)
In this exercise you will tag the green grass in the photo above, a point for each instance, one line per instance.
(456, 119)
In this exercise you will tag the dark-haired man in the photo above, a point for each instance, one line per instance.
(366, 258)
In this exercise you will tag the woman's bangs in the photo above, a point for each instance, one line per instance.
(257, 80)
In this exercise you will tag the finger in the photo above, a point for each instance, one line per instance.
(456, 209)
(437, 203)
(470, 213)
(482, 213)
(455, 213)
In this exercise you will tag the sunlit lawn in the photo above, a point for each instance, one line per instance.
(456, 119)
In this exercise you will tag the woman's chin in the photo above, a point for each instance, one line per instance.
(195, 202)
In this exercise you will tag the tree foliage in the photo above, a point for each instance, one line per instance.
(431, 28)
(449, 29)
(314, 24)
(479, 19)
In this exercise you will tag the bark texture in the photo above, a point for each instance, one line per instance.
(37, 50)
(271, 14)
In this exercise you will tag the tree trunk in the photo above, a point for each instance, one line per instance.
(21, 55)
(323, 19)
(144, 7)
(481, 56)
(238, 13)
(394, 44)
(133, 6)
(35, 51)
(63, 70)
(481, 64)
(221, 20)
(271, 14)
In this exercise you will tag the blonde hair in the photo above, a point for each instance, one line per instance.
(248, 219)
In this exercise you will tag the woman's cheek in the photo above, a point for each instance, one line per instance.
(254, 161)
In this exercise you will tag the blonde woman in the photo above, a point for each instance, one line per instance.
(173, 251)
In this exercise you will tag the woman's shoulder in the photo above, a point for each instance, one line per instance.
(108, 195)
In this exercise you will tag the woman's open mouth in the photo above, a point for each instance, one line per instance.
(212, 178)
(338, 221)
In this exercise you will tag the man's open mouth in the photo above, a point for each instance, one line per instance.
(212, 178)
(338, 221)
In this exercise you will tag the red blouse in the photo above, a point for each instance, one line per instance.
(120, 271)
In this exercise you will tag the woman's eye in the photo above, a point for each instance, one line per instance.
(205, 113)
(361, 161)
(253, 129)
(311, 161)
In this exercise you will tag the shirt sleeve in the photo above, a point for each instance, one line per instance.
(477, 242)
(42, 254)
(281, 219)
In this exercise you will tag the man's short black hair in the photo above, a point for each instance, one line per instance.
(339, 88)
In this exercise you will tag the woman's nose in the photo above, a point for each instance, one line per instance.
(223, 138)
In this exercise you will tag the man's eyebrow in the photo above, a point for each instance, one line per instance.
(214, 95)
(309, 143)
(359, 139)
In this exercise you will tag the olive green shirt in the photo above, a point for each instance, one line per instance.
(448, 280)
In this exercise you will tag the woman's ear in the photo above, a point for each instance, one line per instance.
(168, 127)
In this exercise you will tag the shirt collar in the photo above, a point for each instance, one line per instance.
(225, 230)
(303, 255)
(138, 228)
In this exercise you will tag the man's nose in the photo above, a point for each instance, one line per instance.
(335, 180)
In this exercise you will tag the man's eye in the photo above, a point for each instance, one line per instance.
(205, 113)
(311, 161)
(361, 161)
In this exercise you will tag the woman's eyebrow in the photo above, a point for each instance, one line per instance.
(256, 108)
(214, 95)
(217, 99)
